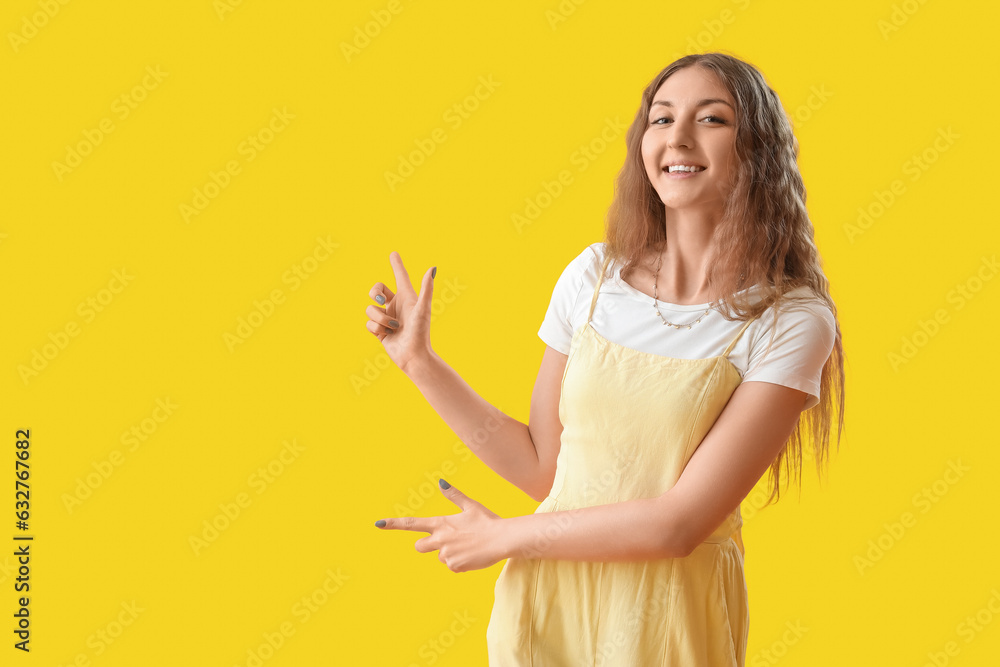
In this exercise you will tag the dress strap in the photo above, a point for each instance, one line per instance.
(744, 328)
(597, 288)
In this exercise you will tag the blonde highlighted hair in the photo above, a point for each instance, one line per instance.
(765, 233)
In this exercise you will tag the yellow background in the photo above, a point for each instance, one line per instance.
(870, 86)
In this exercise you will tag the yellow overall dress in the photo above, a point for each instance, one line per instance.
(631, 420)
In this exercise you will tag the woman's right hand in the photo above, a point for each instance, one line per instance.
(404, 325)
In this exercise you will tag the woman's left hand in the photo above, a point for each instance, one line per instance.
(469, 540)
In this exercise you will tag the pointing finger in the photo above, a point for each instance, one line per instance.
(423, 524)
(403, 283)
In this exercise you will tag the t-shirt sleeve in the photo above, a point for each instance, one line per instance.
(804, 336)
(559, 322)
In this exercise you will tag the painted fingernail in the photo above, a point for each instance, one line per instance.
(388, 330)
(434, 272)
(380, 523)
(393, 323)
(380, 299)
(444, 484)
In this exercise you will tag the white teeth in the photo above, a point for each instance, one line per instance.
(683, 167)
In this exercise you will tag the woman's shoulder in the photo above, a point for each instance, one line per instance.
(799, 307)
(594, 252)
(587, 263)
(805, 298)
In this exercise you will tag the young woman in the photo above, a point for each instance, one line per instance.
(691, 350)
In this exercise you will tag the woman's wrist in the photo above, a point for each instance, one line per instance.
(524, 536)
(508, 538)
(417, 366)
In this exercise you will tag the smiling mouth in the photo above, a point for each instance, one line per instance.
(683, 168)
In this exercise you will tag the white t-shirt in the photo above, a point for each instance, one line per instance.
(804, 332)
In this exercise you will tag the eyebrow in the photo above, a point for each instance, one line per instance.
(701, 103)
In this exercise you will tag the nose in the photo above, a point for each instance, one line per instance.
(680, 135)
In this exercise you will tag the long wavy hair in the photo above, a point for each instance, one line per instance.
(765, 233)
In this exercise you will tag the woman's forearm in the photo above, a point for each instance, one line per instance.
(500, 441)
(626, 531)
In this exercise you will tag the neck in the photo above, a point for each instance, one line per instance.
(686, 257)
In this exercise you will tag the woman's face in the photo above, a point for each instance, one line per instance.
(692, 121)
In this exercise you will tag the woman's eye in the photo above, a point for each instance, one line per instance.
(714, 119)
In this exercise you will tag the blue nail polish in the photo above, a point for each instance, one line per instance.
(393, 323)
(380, 299)
(434, 272)
(444, 484)
(380, 523)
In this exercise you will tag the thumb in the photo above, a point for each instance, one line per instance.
(454, 495)
(427, 289)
